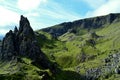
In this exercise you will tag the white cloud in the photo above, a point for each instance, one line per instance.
(29, 4)
(55, 14)
(32, 14)
(60, 14)
(2, 0)
(112, 6)
(57, 11)
(8, 17)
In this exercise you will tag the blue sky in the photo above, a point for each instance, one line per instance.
(45, 13)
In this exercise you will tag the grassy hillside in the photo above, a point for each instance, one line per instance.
(88, 50)
(24, 70)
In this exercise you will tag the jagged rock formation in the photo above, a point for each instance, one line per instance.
(8, 48)
(23, 43)
(89, 23)
(94, 35)
(111, 66)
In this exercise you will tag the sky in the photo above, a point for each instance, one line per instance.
(45, 13)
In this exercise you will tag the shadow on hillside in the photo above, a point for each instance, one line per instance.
(69, 75)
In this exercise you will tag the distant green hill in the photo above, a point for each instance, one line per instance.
(85, 44)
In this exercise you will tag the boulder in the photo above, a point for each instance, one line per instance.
(117, 70)
(106, 60)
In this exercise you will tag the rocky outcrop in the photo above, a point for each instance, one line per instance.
(23, 43)
(110, 67)
(93, 35)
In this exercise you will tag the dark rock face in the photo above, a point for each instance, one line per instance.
(27, 44)
(0, 45)
(23, 43)
(8, 48)
(15, 30)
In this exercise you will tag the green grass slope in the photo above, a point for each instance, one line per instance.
(80, 48)
(72, 50)
(23, 70)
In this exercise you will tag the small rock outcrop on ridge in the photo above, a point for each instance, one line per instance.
(23, 43)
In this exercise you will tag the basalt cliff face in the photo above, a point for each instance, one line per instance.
(88, 23)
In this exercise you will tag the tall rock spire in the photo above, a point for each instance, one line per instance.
(15, 30)
(22, 43)
(23, 21)
(27, 42)
(25, 28)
